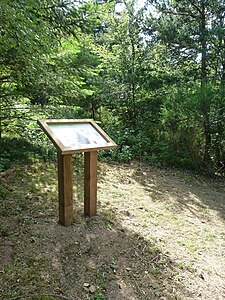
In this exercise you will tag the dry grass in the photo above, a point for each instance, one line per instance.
(159, 234)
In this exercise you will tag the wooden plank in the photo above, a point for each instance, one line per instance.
(90, 183)
(65, 188)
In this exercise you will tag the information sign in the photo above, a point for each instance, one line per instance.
(71, 136)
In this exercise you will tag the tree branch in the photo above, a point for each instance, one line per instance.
(195, 6)
(184, 13)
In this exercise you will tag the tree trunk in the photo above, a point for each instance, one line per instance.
(205, 101)
(0, 128)
(219, 152)
(133, 86)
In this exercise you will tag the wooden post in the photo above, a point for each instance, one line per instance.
(90, 183)
(65, 188)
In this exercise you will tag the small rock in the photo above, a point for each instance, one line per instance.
(86, 285)
(92, 289)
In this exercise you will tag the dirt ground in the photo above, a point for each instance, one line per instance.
(159, 234)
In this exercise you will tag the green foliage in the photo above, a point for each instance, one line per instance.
(20, 151)
(5, 161)
(152, 76)
(99, 296)
(39, 55)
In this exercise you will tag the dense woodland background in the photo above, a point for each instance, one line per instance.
(151, 73)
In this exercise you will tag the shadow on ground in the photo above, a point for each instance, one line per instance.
(183, 191)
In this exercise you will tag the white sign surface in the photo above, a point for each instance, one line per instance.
(75, 135)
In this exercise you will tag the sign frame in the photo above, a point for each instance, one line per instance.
(46, 126)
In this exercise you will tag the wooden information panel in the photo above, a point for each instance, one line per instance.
(71, 136)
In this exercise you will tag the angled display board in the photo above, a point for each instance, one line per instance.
(71, 136)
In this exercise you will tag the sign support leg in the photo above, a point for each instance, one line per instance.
(90, 183)
(65, 188)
